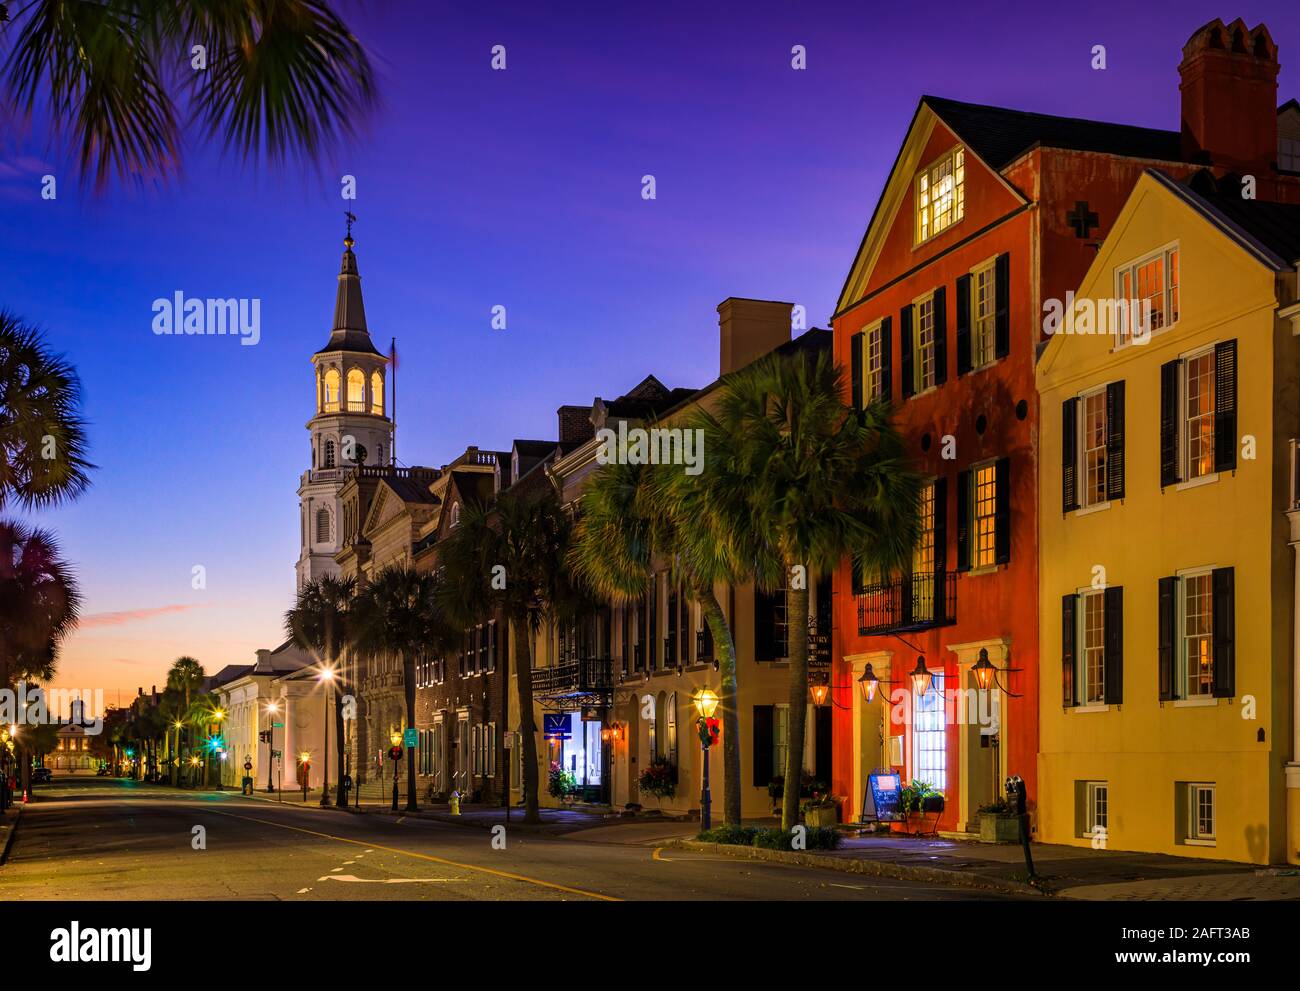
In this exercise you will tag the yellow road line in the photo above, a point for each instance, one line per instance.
(427, 856)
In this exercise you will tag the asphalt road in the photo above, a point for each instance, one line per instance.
(108, 839)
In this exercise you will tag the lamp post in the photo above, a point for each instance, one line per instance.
(216, 743)
(271, 709)
(326, 678)
(395, 754)
(176, 757)
(706, 702)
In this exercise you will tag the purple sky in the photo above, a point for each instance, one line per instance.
(478, 188)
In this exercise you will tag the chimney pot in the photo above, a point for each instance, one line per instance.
(1228, 82)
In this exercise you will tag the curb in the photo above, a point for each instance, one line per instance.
(874, 868)
(13, 828)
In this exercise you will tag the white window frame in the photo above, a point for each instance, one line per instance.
(1094, 790)
(1081, 661)
(1171, 292)
(1181, 659)
(974, 497)
(919, 384)
(923, 212)
(1195, 836)
(1083, 488)
(983, 328)
(1184, 423)
(935, 706)
(873, 362)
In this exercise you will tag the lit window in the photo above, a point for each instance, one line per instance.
(923, 576)
(1200, 813)
(874, 364)
(984, 517)
(983, 311)
(923, 322)
(1198, 412)
(356, 391)
(1197, 654)
(1097, 810)
(1148, 289)
(930, 736)
(1092, 648)
(332, 390)
(940, 195)
(1092, 445)
(377, 394)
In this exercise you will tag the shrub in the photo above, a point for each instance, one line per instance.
(659, 779)
(560, 783)
(821, 838)
(731, 835)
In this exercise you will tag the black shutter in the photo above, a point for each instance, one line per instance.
(963, 520)
(855, 348)
(1069, 455)
(1225, 651)
(1169, 374)
(652, 629)
(1069, 628)
(1225, 406)
(963, 325)
(627, 639)
(905, 350)
(886, 359)
(1002, 510)
(940, 304)
(1002, 303)
(764, 625)
(1115, 440)
(1113, 645)
(1166, 618)
(670, 640)
(822, 737)
(940, 548)
(762, 745)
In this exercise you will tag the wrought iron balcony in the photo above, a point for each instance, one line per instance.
(576, 679)
(912, 602)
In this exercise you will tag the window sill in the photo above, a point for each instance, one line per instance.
(987, 569)
(1099, 507)
(1088, 708)
(1197, 482)
(1190, 842)
(1195, 703)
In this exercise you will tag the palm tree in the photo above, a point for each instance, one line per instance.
(529, 536)
(397, 614)
(42, 435)
(821, 481)
(284, 76)
(185, 680)
(633, 514)
(319, 622)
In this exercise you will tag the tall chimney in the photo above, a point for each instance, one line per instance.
(749, 329)
(1229, 91)
(575, 424)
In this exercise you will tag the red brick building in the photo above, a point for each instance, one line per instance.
(986, 214)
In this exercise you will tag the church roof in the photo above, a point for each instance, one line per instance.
(350, 332)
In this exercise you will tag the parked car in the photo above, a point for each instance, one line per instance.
(42, 775)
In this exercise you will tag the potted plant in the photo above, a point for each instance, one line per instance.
(560, 783)
(659, 778)
(999, 822)
(916, 801)
(821, 809)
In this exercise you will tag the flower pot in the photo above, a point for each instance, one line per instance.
(999, 829)
(824, 815)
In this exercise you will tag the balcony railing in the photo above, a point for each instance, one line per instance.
(913, 602)
(585, 676)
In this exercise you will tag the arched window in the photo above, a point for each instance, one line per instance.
(455, 514)
(322, 526)
(356, 391)
(331, 390)
(377, 393)
(329, 454)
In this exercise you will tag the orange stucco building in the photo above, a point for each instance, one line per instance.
(986, 214)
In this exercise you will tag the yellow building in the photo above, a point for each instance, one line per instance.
(1167, 584)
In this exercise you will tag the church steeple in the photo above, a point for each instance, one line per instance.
(350, 332)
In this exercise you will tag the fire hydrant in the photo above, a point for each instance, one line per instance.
(455, 803)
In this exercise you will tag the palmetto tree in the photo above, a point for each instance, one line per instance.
(821, 481)
(397, 614)
(185, 680)
(42, 435)
(528, 535)
(319, 622)
(634, 514)
(280, 76)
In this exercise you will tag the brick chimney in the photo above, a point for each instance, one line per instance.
(749, 329)
(575, 423)
(1229, 90)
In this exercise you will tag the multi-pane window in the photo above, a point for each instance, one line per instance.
(1092, 447)
(1197, 640)
(1092, 647)
(1288, 154)
(1198, 415)
(983, 310)
(923, 557)
(925, 344)
(940, 195)
(1149, 289)
(873, 364)
(930, 736)
(1200, 808)
(780, 737)
(984, 517)
(1097, 810)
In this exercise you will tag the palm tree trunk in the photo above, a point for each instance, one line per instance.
(724, 644)
(797, 632)
(341, 689)
(408, 684)
(527, 728)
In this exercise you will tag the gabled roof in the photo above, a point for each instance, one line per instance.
(1271, 231)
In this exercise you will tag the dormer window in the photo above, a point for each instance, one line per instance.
(941, 195)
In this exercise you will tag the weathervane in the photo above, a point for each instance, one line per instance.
(351, 217)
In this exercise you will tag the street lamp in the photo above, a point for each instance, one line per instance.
(921, 677)
(819, 690)
(271, 709)
(215, 743)
(706, 703)
(395, 738)
(869, 684)
(326, 677)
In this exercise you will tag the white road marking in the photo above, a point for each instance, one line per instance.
(336, 869)
(388, 880)
(851, 887)
(303, 891)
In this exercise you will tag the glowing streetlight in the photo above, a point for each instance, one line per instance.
(326, 677)
(921, 677)
(869, 684)
(706, 703)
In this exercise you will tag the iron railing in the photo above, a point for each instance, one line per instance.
(912, 602)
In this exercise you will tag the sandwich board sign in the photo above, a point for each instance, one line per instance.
(880, 799)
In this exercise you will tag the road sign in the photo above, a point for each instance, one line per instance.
(410, 737)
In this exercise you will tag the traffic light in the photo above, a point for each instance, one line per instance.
(264, 736)
(394, 753)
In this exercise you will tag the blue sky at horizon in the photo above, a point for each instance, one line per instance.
(478, 188)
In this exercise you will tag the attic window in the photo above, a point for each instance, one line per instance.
(941, 195)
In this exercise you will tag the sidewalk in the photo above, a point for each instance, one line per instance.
(1066, 871)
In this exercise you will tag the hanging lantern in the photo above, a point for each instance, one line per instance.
(921, 678)
(985, 673)
(869, 684)
(819, 691)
